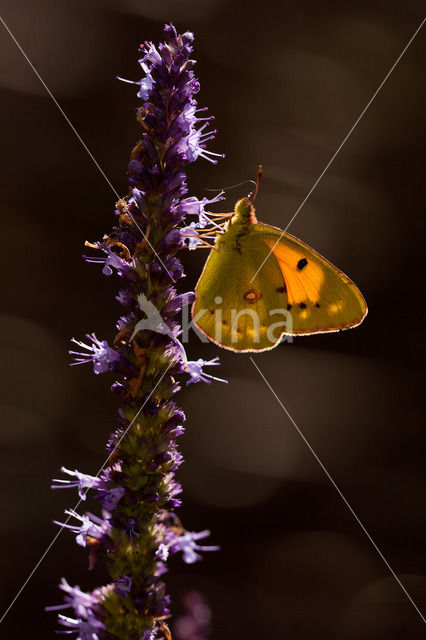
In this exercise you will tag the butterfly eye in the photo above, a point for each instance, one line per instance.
(243, 207)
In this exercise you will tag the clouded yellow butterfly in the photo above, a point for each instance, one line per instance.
(296, 291)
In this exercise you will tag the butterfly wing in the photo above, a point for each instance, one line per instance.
(320, 297)
(230, 309)
(296, 291)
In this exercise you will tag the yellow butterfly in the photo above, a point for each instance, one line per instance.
(260, 284)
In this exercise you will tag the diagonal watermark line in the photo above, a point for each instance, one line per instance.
(343, 142)
(86, 148)
(79, 502)
(338, 490)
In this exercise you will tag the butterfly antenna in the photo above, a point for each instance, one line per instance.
(232, 186)
(259, 175)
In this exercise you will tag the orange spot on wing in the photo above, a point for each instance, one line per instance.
(302, 285)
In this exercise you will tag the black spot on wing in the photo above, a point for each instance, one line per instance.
(302, 264)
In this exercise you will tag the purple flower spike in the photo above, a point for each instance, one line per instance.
(137, 488)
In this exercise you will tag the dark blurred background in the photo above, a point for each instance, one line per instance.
(286, 81)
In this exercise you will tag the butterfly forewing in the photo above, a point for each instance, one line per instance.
(320, 297)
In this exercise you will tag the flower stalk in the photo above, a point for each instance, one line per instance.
(137, 490)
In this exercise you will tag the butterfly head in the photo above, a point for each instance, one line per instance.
(244, 209)
(244, 212)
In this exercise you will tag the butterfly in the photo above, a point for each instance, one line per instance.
(260, 284)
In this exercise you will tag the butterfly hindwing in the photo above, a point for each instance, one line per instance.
(233, 311)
